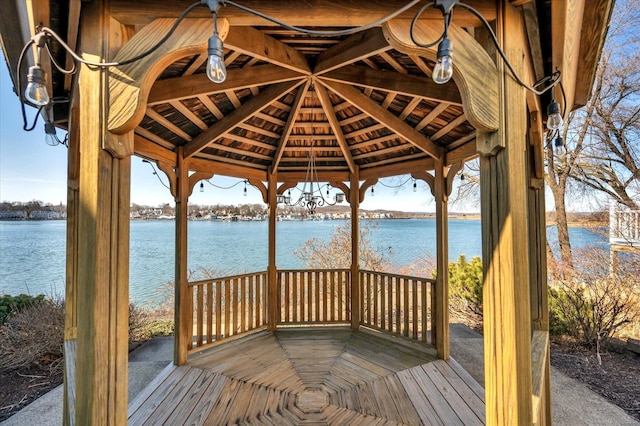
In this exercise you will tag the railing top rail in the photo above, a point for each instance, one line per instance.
(230, 277)
(406, 277)
(314, 270)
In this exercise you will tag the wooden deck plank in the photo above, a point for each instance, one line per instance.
(366, 378)
(151, 387)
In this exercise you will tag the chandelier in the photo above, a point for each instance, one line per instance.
(311, 196)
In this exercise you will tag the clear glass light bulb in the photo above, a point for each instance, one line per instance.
(443, 70)
(50, 135)
(554, 119)
(216, 71)
(36, 91)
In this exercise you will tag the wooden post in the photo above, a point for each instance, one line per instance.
(507, 318)
(102, 245)
(71, 282)
(354, 200)
(273, 306)
(183, 315)
(441, 310)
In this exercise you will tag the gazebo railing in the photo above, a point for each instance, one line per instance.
(624, 228)
(226, 307)
(398, 304)
(314, 296)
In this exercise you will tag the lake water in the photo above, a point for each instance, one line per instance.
(32, 254)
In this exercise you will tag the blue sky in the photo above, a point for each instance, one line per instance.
(32, 170)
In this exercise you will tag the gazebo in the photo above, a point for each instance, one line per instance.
(361, 102)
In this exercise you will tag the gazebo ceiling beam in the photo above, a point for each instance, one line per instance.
(253, 105)
(399, 168)
(355, 48)
(335, 126)
(179, 88)
(383, 116)
(257, 44)
(402, 84)
(308, 13)
(288, 127)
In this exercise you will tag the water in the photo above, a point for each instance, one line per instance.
(32, 258)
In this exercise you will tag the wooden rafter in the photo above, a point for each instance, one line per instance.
(383, 116)
(288, 126)
(255, 43)
(327, 106)
(238, 116)
(407, 85)
(356, 48)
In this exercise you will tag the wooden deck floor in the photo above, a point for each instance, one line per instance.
(312, 376)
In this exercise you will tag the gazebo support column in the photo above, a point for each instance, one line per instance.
(272, 272)
(183, 310)
(102, 245)
(354, 200)
(505, 248)
(442, 264)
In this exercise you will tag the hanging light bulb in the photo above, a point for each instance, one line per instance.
(554, 119)
(36, 90)
(216, 71)
(443, 70)
(201, 186)
(559, 142)
(245, 188)
(50, 135)
(373, 193)
(415, 186)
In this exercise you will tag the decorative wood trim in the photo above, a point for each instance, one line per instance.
(341, 185)
(197, 177)
(428, 178)
(171, 173)
(363, 188)
(474, 72)
(129, 85)
(260, 186)
(451, 176)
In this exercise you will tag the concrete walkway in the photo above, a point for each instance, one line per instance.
(573, 403)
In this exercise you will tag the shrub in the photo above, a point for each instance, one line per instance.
(10, 305)
(593, 304)
(34, 335)
(465, 289)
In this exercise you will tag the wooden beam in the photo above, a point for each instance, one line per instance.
(255, 43)
(441, 308)
(238, 116)
(183, 311)
(399, 168)
(129, 85)
(307, 14)
(566, 28)
(196, 85)
(273, 307)
(385, 117)
(355, 198)
(355, 48)
(288, 126)
(327, 106)
(596, 19)
(474, 72)
(259, 185)
(402, 84)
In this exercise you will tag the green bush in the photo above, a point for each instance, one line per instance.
(465, 283)
(11, 305)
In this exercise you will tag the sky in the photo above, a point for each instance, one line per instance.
(32, 170)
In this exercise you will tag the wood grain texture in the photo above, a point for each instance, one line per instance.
(441, 309)
(129, 85)
(566, 24)
(474, 72)
(327, 375)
